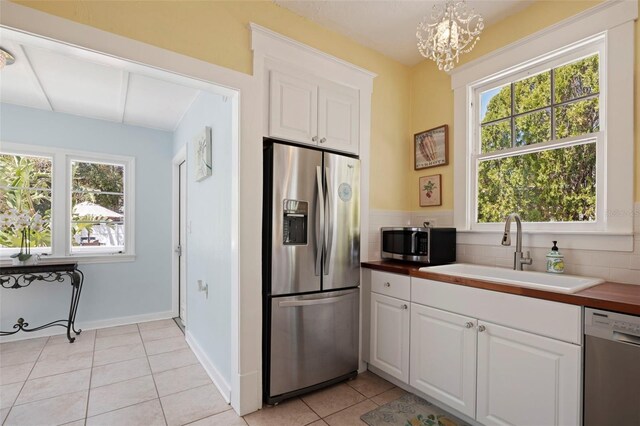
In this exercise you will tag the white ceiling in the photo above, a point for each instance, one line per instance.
(83, 85)
(389, 26)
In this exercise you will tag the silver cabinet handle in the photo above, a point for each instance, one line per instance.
(314, 139)
(481, 328)
(468, 325)
(404, 306)
(323, 140)
(387, 284)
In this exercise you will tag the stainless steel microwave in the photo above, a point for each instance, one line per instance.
(435, 246)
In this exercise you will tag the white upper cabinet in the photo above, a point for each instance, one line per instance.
(293, 109)
(524, 379)
(309, 110)
(338, 121)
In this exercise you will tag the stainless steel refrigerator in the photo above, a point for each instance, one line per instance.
(311, 269)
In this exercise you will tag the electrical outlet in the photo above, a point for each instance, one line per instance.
(203, 286)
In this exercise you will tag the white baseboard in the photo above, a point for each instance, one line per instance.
(247, 402)
(212, 371)
(90, 325)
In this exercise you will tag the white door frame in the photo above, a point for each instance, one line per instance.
(246, 203)
(179, 158)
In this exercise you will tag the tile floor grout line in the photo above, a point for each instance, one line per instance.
(206, 417)
(309, 407)
(13, 404)
(93, 356)
(164, 416)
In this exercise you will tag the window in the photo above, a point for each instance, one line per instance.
(538, 131)
(536, 145)
(74, 204)
(97, 206)
(25, 202)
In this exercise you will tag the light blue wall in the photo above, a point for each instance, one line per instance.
(113, 290)
(209, 241)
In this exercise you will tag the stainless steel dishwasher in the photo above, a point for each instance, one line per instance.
(611, 368)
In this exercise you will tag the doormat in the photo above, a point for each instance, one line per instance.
(410, 410)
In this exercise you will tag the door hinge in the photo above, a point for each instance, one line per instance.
(178, 250)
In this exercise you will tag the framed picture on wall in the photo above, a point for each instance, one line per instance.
(431, 148)
(431, 191)
(202, 148)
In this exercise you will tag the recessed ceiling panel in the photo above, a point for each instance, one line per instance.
(18, 83)
(156, 103)
(77, 86)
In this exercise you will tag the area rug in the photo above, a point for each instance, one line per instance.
(410, 410)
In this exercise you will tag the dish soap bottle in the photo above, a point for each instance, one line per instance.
(555, 260)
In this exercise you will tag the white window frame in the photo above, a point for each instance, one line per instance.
(587, 48)
(612, 22)
(61, 249)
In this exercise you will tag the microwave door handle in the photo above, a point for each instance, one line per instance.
(319, 221)
(414, 239)
(328, 238)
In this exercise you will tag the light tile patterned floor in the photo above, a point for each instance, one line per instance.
(145, 374)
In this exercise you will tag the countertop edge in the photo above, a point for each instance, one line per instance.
(618, 297)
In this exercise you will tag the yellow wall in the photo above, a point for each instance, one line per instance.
(218, 32)
(405, 100)
(432, 98)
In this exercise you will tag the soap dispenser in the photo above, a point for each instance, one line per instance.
(555, 260)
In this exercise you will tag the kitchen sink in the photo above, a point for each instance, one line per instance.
(538, 280)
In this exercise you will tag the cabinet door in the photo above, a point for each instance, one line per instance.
(526, 379)
(443, 357)
(338, 118)
(293, 108)
(390, 335)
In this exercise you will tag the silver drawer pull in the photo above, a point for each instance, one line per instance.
(482, 328)
(468, 325)
(387, 284)
(404, 306)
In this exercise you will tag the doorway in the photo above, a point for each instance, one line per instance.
(182, 244)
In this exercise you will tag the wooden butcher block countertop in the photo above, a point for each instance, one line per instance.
(624, 298)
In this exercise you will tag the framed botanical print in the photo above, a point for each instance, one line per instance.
(431, 148)
(431, 191)
(202, 150)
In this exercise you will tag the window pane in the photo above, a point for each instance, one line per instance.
(97, 201)
(533, 92)
(97, 177)
(577, 79)
(557, 185)
(533, 128)
(577, 118)
(496, 136)
(19, 171)
(25, 201)
(495, 104)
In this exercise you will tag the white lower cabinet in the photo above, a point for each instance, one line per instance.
(390, 336)
(525, 379)
(516, 373)
(443, 357)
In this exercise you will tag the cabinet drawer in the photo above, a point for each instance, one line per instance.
(393, 285)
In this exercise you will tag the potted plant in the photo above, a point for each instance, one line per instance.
(25, 225)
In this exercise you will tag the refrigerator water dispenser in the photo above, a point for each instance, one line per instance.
(294, 226)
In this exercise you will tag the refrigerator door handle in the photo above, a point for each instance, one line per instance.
(329, 222)
(310, 302)
(319, 221)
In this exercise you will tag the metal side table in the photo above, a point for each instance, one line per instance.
(22, 276)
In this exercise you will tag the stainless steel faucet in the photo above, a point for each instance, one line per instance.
(518, 258)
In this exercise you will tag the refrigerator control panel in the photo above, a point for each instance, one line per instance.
(294, 226)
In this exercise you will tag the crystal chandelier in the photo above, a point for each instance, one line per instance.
(449, 31)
